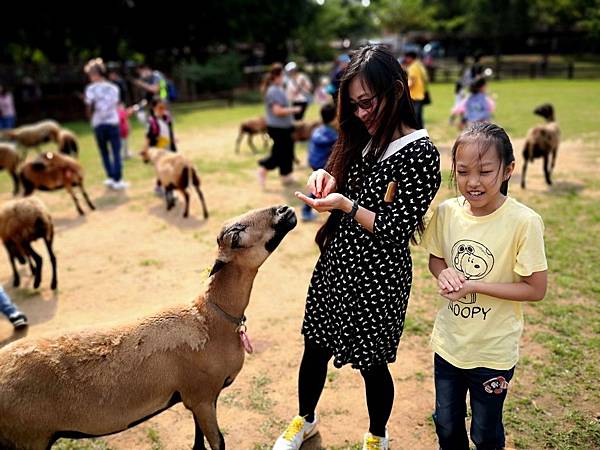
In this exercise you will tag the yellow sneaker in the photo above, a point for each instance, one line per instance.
(298, 431)
(372, 442)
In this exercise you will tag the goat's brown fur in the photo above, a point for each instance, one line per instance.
(9, 160)
(542, 142)
(303, 130)
(97, 382)
(51, 171)
(251, 128)
(174, 171)
(35, 134)
(23, 221)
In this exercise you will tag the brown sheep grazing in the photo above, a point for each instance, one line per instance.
(51, 171)
(103, 381)
(542, 142)
(34, 135)
(174, 171)
(67, 143)
(9, 160)
(252, 127)
(23, 221)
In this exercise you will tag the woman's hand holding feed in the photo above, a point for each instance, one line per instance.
(330, 202)
(321, 183)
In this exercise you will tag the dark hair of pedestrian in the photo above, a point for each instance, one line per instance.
(275, 72)
(488, 137)
(411, 54)
(379, 71)
(328, 113)
(477, 84)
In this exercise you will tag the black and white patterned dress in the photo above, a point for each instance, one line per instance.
(359, 290)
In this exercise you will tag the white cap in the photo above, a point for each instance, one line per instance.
(291, 66)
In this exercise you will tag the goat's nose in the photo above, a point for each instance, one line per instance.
(282, 209)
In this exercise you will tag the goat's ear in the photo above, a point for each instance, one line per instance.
(218, 265)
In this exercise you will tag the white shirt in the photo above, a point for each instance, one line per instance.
(104, 98)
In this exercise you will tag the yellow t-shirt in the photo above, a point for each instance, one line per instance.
(480, 330)
(417, 76)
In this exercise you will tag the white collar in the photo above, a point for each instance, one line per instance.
(399, 143)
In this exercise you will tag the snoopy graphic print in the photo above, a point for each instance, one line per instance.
(474, 260)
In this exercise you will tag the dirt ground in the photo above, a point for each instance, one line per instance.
(131, 257)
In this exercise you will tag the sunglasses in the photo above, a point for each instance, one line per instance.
(363, 103)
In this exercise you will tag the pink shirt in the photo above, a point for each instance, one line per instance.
(7, 105)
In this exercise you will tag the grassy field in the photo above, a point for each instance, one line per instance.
(555, 402)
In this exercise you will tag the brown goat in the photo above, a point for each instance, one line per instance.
(67, 143)
(174, 171)
(51, 171)
(252, 127)
(303, 130)
(9, 160)
(23, 221)
(103, 381)
(542, 142)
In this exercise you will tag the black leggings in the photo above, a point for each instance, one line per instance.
(379, 387)
(282, 153)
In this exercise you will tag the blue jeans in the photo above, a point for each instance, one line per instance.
(6, 305)
(106, 133)
(487, 392)
(7, 122)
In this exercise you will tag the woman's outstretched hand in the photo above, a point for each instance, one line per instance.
(328, 203)
(321, 183)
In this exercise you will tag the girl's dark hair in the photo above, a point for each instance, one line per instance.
(382, 74)
(486, 136)
(275, 71)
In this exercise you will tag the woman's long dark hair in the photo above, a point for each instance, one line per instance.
(275, 71)
(382, 74)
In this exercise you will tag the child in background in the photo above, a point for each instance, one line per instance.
(124, 130)
(477, 107)
(8, 308)
(487, 254)
(160, 127)
(319, 148)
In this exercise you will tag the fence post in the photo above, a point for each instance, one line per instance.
(570, 70)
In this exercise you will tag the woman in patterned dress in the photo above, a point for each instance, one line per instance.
(378, 184)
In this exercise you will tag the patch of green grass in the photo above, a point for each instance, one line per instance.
(81, 444)
(154, 438)
(258, 398)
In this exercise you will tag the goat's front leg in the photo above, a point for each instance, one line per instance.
(251, 144)
(69, 189)
(11, 256)
(524, 173)
(85, 196)
(547, 169)
(199, 436)
(205, 415)
(37, 279)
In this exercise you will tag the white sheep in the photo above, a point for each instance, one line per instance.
(23, 221)
(99, 382)
(174, 171)
(542, 142)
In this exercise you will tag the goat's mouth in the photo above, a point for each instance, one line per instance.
(284, 221)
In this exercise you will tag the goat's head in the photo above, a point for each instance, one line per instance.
(149, 154)
(546, 111)
(249, 239)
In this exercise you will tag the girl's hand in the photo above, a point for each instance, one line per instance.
(466, 289)
(330, 202)
(450, 280)
(320, 183)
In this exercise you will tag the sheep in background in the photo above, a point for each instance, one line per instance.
(174, 171)
(103, 381)
(67, 143)
(34, 135)
(9, 160)
(51, 171)
(303, 130)
(542, 142)
(252, 127)
(23, 221)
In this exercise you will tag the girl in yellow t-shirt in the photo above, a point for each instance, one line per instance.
(487, 254)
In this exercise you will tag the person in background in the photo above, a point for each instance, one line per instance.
(152, 82)
(298, 89)
(8, 115)
(8, 308)
(102, 99)
(319, 148)
(417, 83)
(477, 107)
(341, 63)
